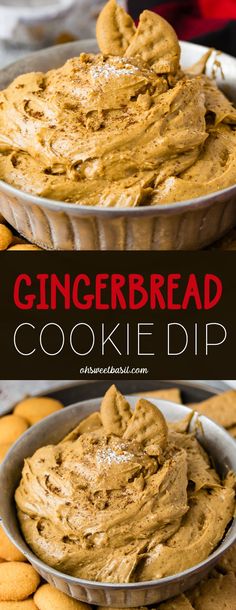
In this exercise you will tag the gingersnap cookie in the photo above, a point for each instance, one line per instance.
(148, 427)
(11, 427)
(220, 408)
(155, 41)
(27, 604)
(49, 598)
(115, 29)
(216, 593)
(6, 237)
(172, 394)
(177, 603)
(8, 551)
(4, 448)
(18, 581)
(34, 409)
(115, 412)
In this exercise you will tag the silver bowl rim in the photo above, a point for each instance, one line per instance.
(149, 210)
(225, 543)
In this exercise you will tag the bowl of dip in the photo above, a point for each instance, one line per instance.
(42, 439)
(122, 150)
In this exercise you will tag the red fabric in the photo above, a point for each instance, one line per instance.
(209, 22)
(189, 25)
(225, 9)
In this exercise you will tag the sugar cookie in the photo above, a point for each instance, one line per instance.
(24, 247)
(115, 29)
(8, 551)
(17, 240)
(49, 598)
(34, 409)
(11, 427)
(5, 237)
(17, 581)
(27, 604)
(4, 448)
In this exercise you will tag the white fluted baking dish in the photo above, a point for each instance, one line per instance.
(187, 225)
(217, 442)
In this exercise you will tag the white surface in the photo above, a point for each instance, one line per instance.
(231, 383)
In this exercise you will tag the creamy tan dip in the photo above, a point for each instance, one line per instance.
(126, 127)
(124, 497)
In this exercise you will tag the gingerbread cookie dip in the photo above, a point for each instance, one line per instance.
(122, 128)
(125, 497)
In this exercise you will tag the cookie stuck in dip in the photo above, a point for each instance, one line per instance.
(124, 497)
(122, 128)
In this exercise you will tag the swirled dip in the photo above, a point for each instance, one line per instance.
(124, 497)
(126, 127)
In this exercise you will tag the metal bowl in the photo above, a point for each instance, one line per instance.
(219, 445)
(187, 225)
